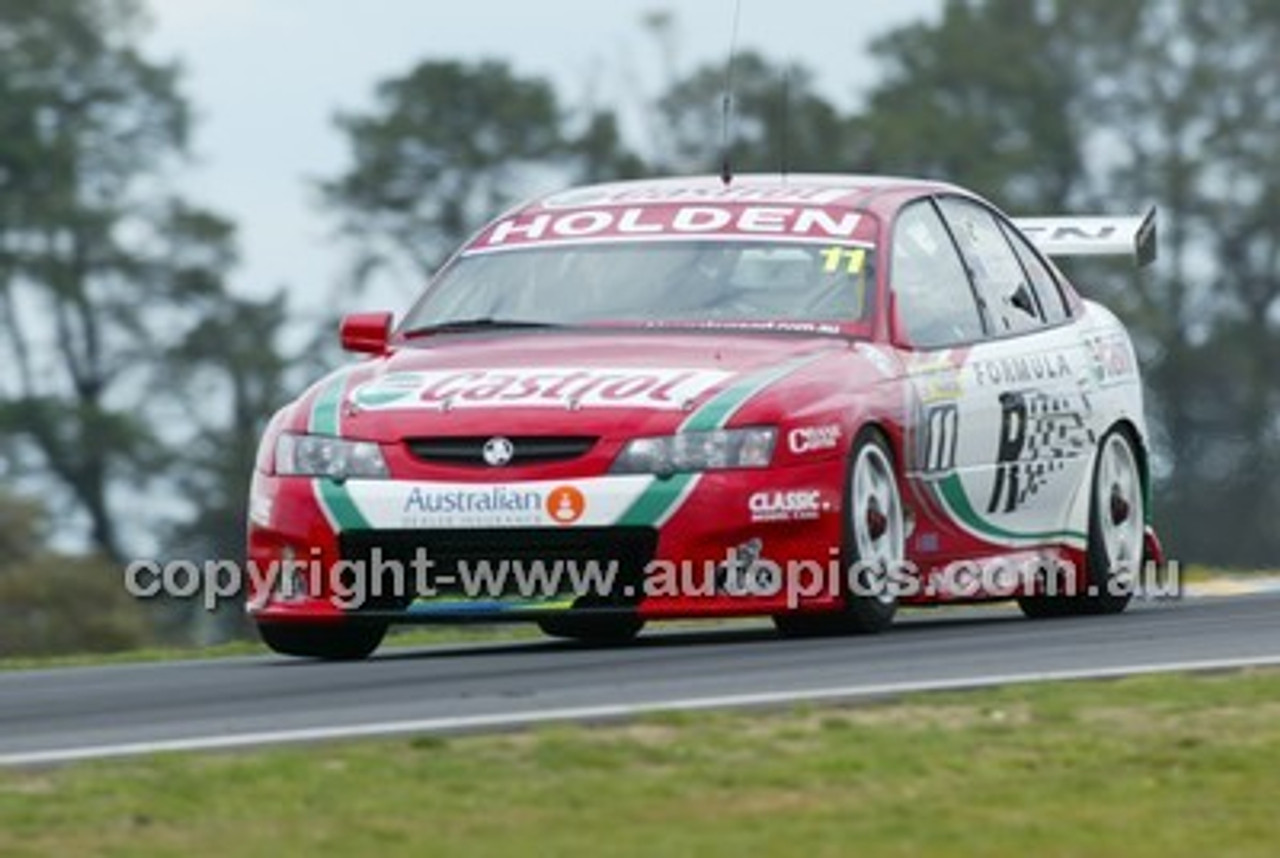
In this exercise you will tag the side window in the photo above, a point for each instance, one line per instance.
(935, 303)
(1052, 302)
(1009, 300)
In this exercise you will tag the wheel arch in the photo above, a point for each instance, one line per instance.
(895, 441)
(1153, 549)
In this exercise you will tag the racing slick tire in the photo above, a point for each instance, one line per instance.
(330, 642)
(1047, 607)
(1117, 524)
(873, 541)
(605, 631)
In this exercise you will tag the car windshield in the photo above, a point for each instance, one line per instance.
(653, 282)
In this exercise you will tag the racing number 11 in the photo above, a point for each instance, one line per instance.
(850, 257)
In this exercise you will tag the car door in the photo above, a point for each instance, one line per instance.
(1024, 407)
(936, 324)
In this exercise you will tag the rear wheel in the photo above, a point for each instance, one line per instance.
(873, 543)
(1117, 525)
(595, 630)
(331, 642)
(1047, 607)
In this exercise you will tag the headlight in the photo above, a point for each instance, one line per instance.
(323, 456)
(697, 451)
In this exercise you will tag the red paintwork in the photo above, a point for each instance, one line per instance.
(841, 386)
(365, 333)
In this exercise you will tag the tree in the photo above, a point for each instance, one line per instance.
(446, 147)
(1097, 105)
(987, 96)
(1198, 98)
(101, 271)
(230, 374)
(600, 153)
(777, 121)
(52, 603)
(231, 358)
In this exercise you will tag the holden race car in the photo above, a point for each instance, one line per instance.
(811, 398)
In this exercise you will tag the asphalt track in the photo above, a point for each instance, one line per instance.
(66, 714)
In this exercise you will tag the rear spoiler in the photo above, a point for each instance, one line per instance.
(1093, 236)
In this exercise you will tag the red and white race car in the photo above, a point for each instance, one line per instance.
(813, 398)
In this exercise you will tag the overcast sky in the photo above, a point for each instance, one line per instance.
(266, 77)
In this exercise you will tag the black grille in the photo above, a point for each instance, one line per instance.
(527, 449)
(628, 550)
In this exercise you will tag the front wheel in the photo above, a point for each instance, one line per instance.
(330, 642)
(873, 544)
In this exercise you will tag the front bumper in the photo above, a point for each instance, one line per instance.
(668, 538)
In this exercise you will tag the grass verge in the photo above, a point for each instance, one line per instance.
(1159, 766)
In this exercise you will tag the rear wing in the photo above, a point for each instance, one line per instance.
(1093, 236)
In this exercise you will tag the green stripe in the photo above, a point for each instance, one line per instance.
(717, 411)
(326, 408)
(341, 507)
(650, 507)
(953, 494)
(659, 499)
(326, 419)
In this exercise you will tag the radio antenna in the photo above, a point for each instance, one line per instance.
(726, 119)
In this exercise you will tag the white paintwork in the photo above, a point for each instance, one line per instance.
(1092, 235)
(1075, 381)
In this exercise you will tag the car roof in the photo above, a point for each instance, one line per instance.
(823, 189)
(800, 208)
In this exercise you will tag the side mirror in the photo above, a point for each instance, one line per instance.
(365, 333)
